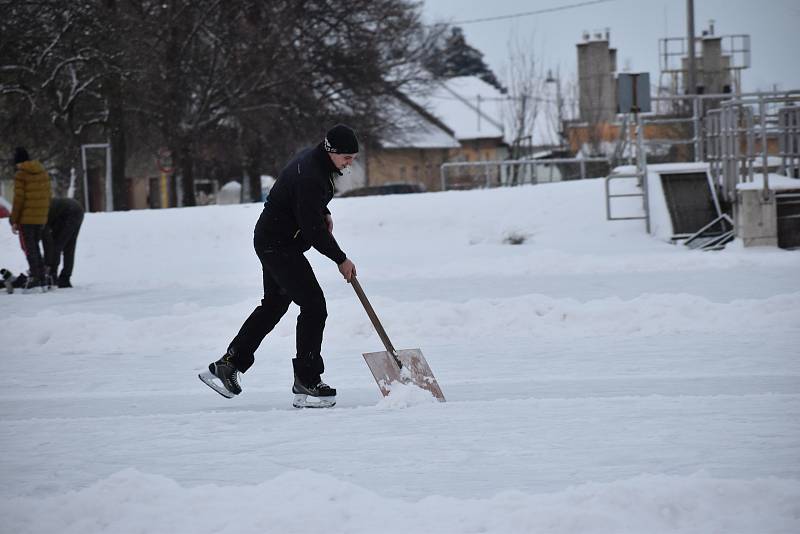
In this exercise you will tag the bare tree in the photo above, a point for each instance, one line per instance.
(52, 75)
(242, 83)
(525, 83)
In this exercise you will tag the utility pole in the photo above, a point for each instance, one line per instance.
(691, 85)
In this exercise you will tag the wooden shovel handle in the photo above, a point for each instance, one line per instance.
(375, 322)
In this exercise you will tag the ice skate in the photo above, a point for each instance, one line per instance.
(222, 377)
(313, 395)
(34, 285)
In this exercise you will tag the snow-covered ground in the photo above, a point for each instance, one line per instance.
(598, 379)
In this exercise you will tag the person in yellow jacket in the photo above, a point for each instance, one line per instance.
(29, 211)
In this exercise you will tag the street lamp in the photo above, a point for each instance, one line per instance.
(557, 81)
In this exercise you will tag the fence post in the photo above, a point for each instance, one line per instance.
(750, 152)
(782, 131)
(696, 126)
(762, 110)
(641, 163)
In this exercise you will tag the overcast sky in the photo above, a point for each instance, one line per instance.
(636, 26)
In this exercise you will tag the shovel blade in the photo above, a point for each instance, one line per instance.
(415, 371)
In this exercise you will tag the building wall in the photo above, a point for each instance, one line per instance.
(487, 149)
(410, 165)
(416, 165)
(609, 132)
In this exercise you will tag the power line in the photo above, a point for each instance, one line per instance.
(537, 12)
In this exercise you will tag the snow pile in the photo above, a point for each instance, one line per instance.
(597, 379)
(184, 325)
(404, 396)
(130, 501)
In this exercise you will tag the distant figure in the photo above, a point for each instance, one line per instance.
(61, 236)
(29, 212)
(295, 218)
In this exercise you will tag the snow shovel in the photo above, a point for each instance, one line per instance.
(406, 366)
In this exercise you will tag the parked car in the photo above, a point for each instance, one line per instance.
(385, 189)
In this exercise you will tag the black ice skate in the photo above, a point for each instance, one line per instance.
(222, 377)
(321, 394)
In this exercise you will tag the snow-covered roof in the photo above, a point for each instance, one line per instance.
(470, 107)
(415, 130)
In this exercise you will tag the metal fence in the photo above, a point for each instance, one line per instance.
(499, 173)
(683, 120)
(740, 136)
(753, 135)
(789, 140)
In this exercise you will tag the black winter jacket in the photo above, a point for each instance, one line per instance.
(294, 213)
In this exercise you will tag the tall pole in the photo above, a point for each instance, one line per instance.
(560, 105)
(691, 85)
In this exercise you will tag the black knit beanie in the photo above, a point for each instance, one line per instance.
(341, 140)
(20, 155)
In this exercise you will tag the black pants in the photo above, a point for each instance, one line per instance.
(30, 235)
(288, 278)
(61, 239)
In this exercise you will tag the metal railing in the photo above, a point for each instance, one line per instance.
(735, 134)
(712, 236)
(689, 115)
(498, 173)
(676, 114)
(744, 132)
(640, 176)
(789, 140)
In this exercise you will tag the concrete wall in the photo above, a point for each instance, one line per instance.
(756, 218)
(713, 68)
(596, 86)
